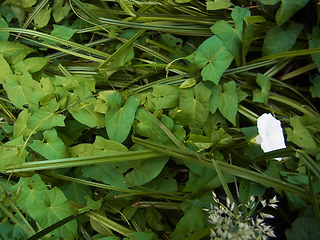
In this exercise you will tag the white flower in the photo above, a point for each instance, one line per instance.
(271, 134)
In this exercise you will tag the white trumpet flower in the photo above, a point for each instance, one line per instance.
(270, 133)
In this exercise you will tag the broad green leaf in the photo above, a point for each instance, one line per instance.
(127, 6)
(76, 192)
(238, 14)
(9, 231)
(314, 42)
(213, 58)
(143, 235)
(218, 4)
(52, 208)
(194, 105)
(199, 141)
(287, 8)
(281, 39)
(4, 36)
(83, 111)
(145, 170)
(220, 138)
(21, 124)
(12, 152)
(153, 218)
(230, 37)
(263, 94)
(4, 69)
(304, 227)
(23, 90)
(46, 117)
(43, 17)
(147, 127)
(125, 56)
(103, 146)
(105, 173)
(245, 30)
(81, 150)
(225, 98)
(61, 31)
(35, 64)
(28, 190)
(269, 2)
(119, 118)
(165, 96)
(52, 147)
(188, 83)
(14, 52)
(22, 3)
(192, 220)
(300, 135)
(59, 12)
(315, 89)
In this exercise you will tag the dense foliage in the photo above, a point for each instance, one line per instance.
(119, 118)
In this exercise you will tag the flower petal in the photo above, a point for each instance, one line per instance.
(271, 133)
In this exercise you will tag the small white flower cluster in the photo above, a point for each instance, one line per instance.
(226, 225)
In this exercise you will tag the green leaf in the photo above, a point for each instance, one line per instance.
(61, 31)
(46, 117)
(218, 4)
(304, 227)
(12, 152)
(300, 135)
(83, 111)
(262, 95)
(194, 105)
(287, 8)
(52, 147)
(20, 126)
(22, 89)
(59, 12)
(315, 89)
(103, 146)
(9, 231)
(199, 141)
(143, 236)
(213, 57)
(43, 17)
(4, 36)
(145, 170)
(147, 127)
(22, 3)
(269, 2)
(119, 118)
(76, 192)
(14, 52)
(192, 220)
(35, 64)
(165, 96)
(45, 206)
(105, 173)
(127, 6)
(225, 98)
(281, 39)
(4, 69)
(314, 42)
(153, 218)
(238, 14)
(230, 37)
